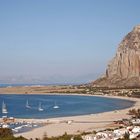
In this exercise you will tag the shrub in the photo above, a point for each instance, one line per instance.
(5, 132)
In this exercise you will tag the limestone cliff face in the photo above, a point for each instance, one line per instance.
(124, 69)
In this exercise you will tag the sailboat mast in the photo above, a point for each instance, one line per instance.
(4, 109)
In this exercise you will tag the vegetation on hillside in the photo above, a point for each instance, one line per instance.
(63, 137)
(135, 113)
(6, 134)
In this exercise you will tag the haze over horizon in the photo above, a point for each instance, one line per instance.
(59, 41)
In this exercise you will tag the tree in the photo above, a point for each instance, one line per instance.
(126, 136)
(5, 132)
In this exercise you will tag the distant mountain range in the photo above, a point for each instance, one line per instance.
(51, 80)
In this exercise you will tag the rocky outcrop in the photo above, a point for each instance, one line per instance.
(124, 69)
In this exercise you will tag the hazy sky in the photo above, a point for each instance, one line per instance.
(62, 40)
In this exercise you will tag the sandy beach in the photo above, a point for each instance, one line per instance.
(78, 124)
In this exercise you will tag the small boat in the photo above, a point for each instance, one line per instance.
(4, 109)
(5, 126)
(15, 130)
(27, 105)
(55, 106)
(40, 108)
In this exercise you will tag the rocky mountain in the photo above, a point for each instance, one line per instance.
(124, 68)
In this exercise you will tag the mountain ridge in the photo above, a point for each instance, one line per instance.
(124, 68)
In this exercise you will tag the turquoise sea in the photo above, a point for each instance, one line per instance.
(69, 105)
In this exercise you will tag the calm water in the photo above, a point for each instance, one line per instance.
(69, 105)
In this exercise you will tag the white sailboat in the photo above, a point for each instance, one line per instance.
(27, 105)
(40, 108)
(4, 109)
(55, 106)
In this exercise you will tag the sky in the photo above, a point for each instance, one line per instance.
(61, 41)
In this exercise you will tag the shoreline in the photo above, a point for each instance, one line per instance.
(78, 124)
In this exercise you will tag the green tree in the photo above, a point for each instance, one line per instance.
(126, 136)
(5, 132)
